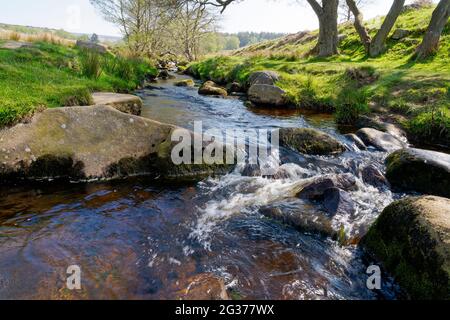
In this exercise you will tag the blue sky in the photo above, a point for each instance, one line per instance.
(248, 15)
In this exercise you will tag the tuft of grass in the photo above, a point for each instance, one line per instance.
(91, 65)
(351, 104)
(432, 127)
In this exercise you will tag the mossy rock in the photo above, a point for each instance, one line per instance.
(209, 88)
(185, 83)
(310, 141)
(98, 142)
(420, 170)
(412, 240)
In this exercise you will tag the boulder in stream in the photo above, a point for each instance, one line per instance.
(420, 170)
(412, 240)
(303, 217)
(210, 88)
(337, 201)
(267, 95)
(317, 186)
(185, 83)
(331, 192)
(380, 140)
(310, 141)
(98, 142)
(374, 177)
(356, 140)
(165, 75)
(234, 87)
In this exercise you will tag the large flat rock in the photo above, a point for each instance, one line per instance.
(82, 143)
(123, 102)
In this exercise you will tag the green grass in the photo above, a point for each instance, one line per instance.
(46, 76)
(402, 86)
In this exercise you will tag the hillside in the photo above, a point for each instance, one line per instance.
(393, 87)
(45, 75)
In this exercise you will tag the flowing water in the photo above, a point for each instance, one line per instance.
(141, 239)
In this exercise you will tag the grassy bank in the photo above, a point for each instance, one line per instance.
(48, 75)
(417, 95)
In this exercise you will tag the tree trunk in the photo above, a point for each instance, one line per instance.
(430, 43)
(379, 42)
(328, 27)
(359, 24)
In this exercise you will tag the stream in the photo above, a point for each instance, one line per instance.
(143, 239)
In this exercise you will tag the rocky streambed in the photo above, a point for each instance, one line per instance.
(238, 234)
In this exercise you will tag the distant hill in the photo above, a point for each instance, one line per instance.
(59, 32)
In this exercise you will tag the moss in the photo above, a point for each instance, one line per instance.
(410, 251)
(310, 141)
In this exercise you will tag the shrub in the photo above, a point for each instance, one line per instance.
(124, 68)
(350, 105)
(307, 93)
(91, 65)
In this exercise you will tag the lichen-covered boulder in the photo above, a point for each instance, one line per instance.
(83, 143)
(268, 95)
(420, 170)
(126, 103)
(412, 240)
(381, 140)
(209, 88)
(310, 141)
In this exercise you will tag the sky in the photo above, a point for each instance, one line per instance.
(79, 16)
